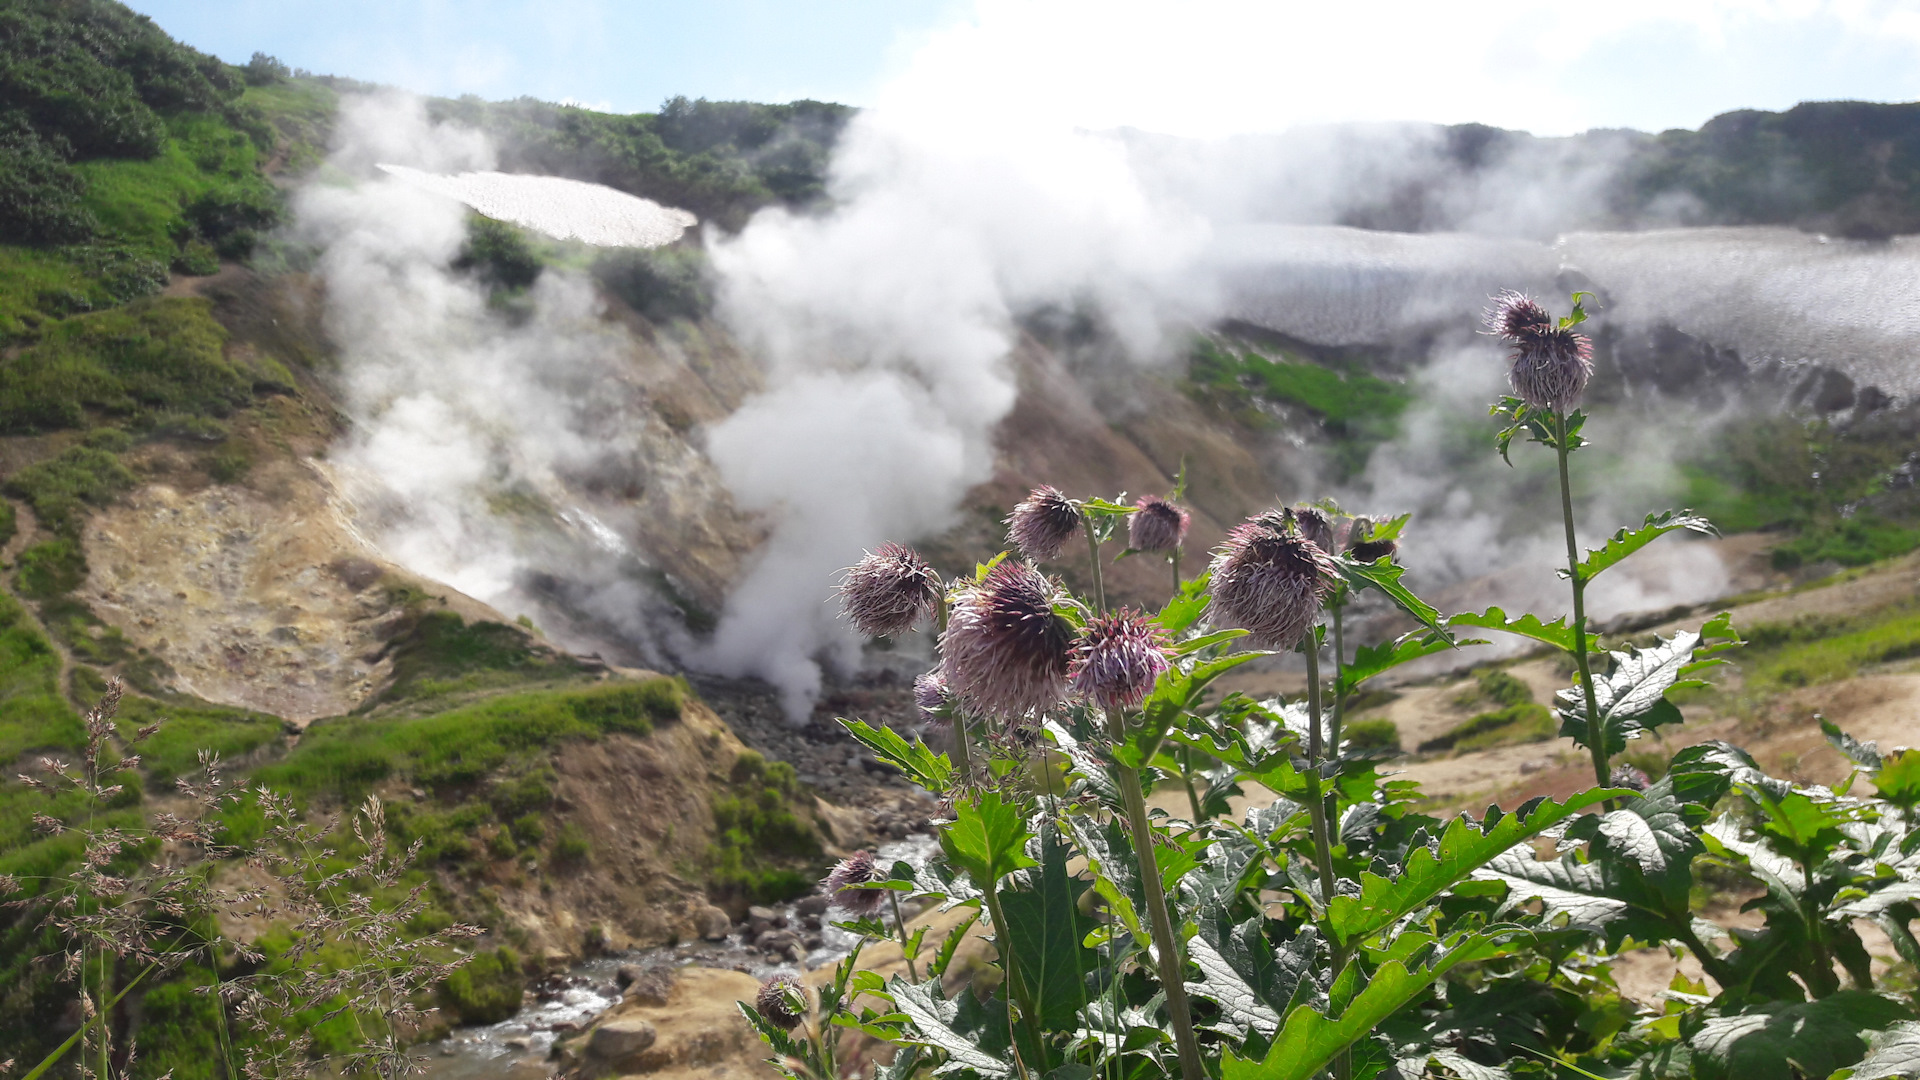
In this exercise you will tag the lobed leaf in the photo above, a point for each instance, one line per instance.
(1371, 660)
(1626, 542)
(1186, 608)
(1462, 849)
(1385, 576)
(1632, 697)
(1556, 633)
(1895, 1053)
(932, 1018)
(1784, 1041)
(987, 839)
(924, 767)
(1309, 1040)
(1242, 1012)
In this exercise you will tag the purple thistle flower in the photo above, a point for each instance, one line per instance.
(1043, 524)
(1006, 650)
(931, 695)
(1271, 580)
(844, 881)
(774, 1002)
(1156, 525)
(889, 590)
(1551, 365)
(1118, 659)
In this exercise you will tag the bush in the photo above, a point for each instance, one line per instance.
(61, 490)
(571, 846)
(1525, 722)
(1372, 735)
(498, 252)
(486, 989)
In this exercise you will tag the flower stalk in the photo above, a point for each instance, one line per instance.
(1596, 730)
(1165, 944)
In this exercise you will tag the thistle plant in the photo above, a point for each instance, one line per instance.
(1331, 927)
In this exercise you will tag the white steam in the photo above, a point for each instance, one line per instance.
(886, 326)
(463, 413)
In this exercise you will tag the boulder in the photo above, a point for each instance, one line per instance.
(621, 1037)
(712, 923)
(814, 904)
(652, 986)
(762, 919)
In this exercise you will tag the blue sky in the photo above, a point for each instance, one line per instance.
(1204, 67)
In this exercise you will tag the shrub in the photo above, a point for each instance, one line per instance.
(571, 846)
(1372, 735)
(487, 989)
(62, 489)
(1525, 722)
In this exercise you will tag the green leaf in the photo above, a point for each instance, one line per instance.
(1895, 1054)
(1463, 848)
(1371, 660)
(980, 570)
(1632, 697)
(1242, 1012)
(1576, 890)
(1556, 633)
(1045, 929)
(924, 767)
(943, 956)
(1785, 1041)
(1207, 641)
(1186, 608)
(988, 838)
(1866, 755)
(1385, 576)
(1898, 779)
(782, 1044)
(1309, 1040)
(932, 1020)
(1626, 542)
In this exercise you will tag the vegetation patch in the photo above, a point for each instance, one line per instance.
(486, 989)
(1807, 651)
(438, 652)
(1379, 734)
(764, 852)
(1356, 409)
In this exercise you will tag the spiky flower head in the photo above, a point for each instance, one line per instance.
(1551, 364)
(1271, 580)
(1626, 776)
(1006, 650)
(1117, 660)
(889, 590)
(1355, 537)
(844, 881)
(1316, 525)
(1156, 525)
(1043, 524)
(775, 1001)
(931, 695)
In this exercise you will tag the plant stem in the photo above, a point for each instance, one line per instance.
(1172, 968)
(1185, 757)
(1596, 729)
(1317, 814)
(900, 928)
(1017, 991)
(1176, 571)
(962, 750)
(1339, 682)
(1093, 560)
(1316, 803)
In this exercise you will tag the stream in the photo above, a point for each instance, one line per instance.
(559, 1005)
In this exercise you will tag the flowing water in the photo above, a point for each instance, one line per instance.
(560, 1005)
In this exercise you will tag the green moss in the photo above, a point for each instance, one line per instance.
(1357, 410)
(486, 989)
(1496, 687)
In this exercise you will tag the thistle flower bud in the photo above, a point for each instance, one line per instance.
(931, 695)
(889, 590)
(1118, 659)
(1006, 650)
(775, 1002)
(1551, 365)
(1043, 524)
(1314, 524)
(1626, 776)
(1156, 525)
(844, 880)
(1270, 580)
